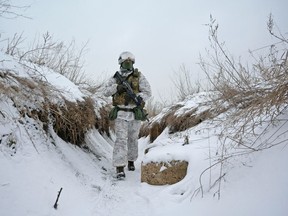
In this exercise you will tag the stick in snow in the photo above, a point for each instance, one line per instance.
(56, 203)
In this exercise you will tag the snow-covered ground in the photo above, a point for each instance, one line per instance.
(34, 166)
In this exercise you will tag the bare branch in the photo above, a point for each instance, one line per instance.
(10, 11)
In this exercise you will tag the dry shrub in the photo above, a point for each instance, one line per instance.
(26, 82)
(183, 122)
(73, 120)
(190, 119)
(177, 123)
(102, 122)
(153, 107)
(155, 131)
(144, 130)
(65, 59)
(257, 96)
(256, 91)
(157, 128)
(184, 83)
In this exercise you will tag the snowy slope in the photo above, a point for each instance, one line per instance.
(34, 166)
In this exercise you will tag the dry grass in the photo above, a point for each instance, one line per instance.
(154, 129)
(256, 95)
(102, 122)
(70, 120)
(177, 123)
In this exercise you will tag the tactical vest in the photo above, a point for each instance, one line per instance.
(123, 98)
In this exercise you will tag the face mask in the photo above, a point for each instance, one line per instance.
(128, 65)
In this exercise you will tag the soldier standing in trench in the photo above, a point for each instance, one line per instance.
(127, 123)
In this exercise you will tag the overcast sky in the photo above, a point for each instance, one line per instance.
(162, 34)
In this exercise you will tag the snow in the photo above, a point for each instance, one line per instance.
(34, 166)
(71, 92)
(68, 89)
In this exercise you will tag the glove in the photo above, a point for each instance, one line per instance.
(121, 88)
(140, 101)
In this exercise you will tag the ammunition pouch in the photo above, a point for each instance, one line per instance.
(139, 113)
(113, 113)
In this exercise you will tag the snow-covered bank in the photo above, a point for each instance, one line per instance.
(31, 179)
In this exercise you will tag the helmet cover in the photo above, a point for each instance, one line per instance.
(125, 56)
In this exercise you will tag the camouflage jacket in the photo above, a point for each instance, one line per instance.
(138, 83)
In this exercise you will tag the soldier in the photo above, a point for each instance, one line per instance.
(126, 126)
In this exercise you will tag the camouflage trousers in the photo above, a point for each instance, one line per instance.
(126, 144)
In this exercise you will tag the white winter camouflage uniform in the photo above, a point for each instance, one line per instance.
(126, 127)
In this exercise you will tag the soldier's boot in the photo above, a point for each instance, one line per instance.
(120, 174)
(131, 166)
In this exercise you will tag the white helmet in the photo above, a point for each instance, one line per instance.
(124, 56)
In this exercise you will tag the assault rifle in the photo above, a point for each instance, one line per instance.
(137, 99)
